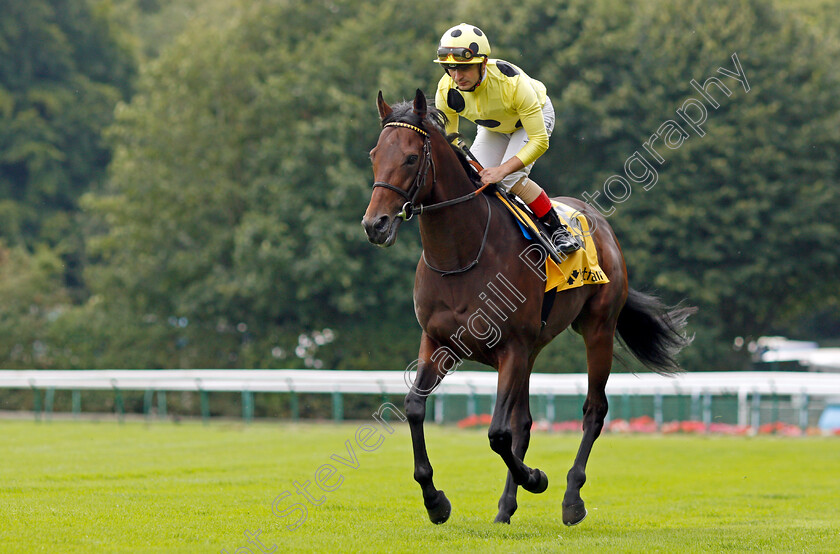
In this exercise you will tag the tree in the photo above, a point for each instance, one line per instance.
(240, 176)
(229, 225)
(740, 220)
(32, 297)
(62, 70)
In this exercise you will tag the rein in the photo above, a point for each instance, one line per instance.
(409, 209)
(472, 264)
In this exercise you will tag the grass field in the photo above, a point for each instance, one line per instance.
(109, 487)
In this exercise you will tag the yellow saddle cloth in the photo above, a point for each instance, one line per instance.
(578, 268)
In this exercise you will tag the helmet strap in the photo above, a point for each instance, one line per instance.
(482, 72)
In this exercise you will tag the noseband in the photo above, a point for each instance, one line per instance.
(409, 209)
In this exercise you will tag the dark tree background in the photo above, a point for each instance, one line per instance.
(181, 183)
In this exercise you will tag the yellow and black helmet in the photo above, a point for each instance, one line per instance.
(463, 44)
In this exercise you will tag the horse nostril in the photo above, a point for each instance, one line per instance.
(381, 224)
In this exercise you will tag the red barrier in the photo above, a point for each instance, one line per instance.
(646, 425)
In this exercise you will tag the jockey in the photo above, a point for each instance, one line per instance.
(514, 117)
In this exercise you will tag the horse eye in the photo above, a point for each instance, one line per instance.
(411, 160)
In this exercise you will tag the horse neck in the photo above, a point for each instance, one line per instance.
(452, 236)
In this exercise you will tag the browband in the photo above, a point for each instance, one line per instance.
(408, 125)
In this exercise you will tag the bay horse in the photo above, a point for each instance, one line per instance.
(469, 241)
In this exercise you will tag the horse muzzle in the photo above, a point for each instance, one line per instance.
(381, 230)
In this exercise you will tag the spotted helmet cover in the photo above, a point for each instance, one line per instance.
(467, 36)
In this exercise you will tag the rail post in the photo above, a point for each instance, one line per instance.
(439, 398)
(161, 396)
(658, 416)
(804, 402)
(695, 406)
(755, 419)
(247, 406)
(49, 396)
(384, 395)
(549, 407)
(119, 406)
(148, 396)
(205, 406)
(707, 410)
(337, 406)
(204, 402)
(626, 411)
(36, 401)
(743, 407)
(77, 403)
(295, 407)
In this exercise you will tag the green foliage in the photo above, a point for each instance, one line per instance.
(155, 24)
(32, 297)
(63, 67)
(246, 146)
(741, 220)
(229, 223)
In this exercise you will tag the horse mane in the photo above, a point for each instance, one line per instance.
(435, 121)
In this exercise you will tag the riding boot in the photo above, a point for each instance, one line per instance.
(562, 239)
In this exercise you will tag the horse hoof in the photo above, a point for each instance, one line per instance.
(501, 518)
(439, 509)
(507, 507)
(537, 482)
(574, 514)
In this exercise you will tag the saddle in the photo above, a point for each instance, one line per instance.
(576, 269)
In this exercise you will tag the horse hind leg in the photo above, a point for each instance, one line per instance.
(521, 428)
(599, 352)
(428, 376)
(512, 395)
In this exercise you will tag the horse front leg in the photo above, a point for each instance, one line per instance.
(599, 352)
(521, 428)
(512, 396)
(428, 376)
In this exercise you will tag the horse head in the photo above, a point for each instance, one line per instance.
(402, 160)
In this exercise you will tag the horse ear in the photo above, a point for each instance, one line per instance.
(420, 107)
(384, 109)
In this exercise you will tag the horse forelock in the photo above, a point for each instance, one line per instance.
(403, 112)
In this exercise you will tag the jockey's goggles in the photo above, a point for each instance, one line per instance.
(457, 55)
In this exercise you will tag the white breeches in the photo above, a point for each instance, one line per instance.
(492, 149)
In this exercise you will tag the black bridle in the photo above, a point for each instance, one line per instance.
(409, 208)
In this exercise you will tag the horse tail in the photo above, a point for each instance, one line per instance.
(654, 332)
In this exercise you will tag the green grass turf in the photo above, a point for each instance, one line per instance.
(109, 487)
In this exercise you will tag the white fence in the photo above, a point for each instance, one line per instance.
(798, 391)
